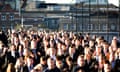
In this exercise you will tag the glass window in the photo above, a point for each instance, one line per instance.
(11, 17)
(57, 8)
(105, 27)
(72, 27)
(90, 26)
(65, 26)
(3, 17)
(80, 27)
(97, 26)
(113, 26)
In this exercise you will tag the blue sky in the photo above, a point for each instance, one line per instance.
(72, 1)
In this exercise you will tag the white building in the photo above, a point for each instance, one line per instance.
(93, 1)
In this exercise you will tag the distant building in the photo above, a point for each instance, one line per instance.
(9, 16)
(97, 17)
(93, 1)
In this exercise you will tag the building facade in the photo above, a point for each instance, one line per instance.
(95, 16)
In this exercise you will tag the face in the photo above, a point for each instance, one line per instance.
(91, 43)
(86, 51)
(29, 61)
(80, 61)
(60, 51)
(64, 48)
(107, 68)
(50, 63)
(59, 63)
(67, 42)
(71, 50)
(105, 46)
(69, 61)
(13, 48)
(52, 51)
(19, 62)
(26, 52)
(77, 42)
(98, 49)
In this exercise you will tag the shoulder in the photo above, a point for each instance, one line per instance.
(46, 70)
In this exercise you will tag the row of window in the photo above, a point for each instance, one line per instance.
(89, 27)
(4, 17)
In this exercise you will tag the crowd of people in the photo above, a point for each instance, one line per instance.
(41, 51)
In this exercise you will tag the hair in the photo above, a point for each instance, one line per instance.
(10, 68)
(43, 58)
(59, 58)
(68, 58)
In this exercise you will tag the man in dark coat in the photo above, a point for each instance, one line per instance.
(51, 66)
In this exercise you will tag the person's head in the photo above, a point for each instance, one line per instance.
(30, 61)
(105, 45)
(81, 70)
(59, 44)
(99, 40)
(77, 42)
(69, 60)
(52, 51)
(59, 62)
(16, 40)
(26, 52)
(10, 68)
(86, 50)
(38, 68)
(80, 60)
(91, 43)
(51, 63)
(72, 49)
(98, 49)
(107, 66)
(19, 62)
(60, 51)
(64, 48)
(43, 60)
(13, 47)
(20, 48)
(67, 41)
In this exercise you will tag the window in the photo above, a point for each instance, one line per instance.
(113, 27)
(11, 17)
(97, 26)
(65, 26)
(80, 27)
(3, 17)
(105, 26)
(72, 27)
(90, 26)
(57, 8)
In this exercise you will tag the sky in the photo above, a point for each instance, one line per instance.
(115, 2)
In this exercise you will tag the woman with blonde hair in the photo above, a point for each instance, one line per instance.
(10, 68)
